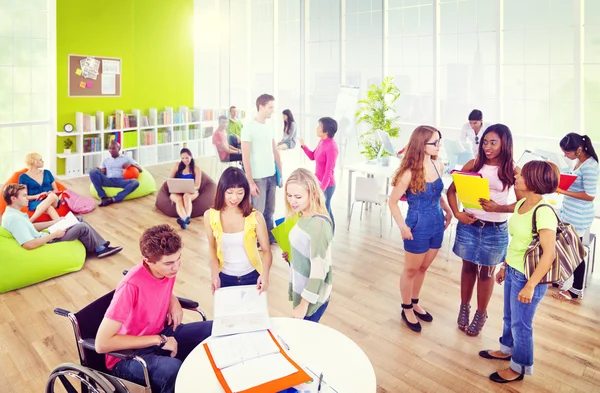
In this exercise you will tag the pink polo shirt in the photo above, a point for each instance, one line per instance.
(140, 303)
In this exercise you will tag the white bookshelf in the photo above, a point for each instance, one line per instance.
(159, 141)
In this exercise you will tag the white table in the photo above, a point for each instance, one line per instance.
(373, 169)
(311, 345)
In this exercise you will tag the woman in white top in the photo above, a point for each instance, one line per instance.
(472, 130)
(482, 235)
(233, 228)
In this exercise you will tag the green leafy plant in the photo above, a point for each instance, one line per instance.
(377, 109)
(68, 143)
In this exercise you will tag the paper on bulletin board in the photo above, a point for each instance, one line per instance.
(110, 67)
(109, 83)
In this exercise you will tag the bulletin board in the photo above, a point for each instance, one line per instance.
(94, 76)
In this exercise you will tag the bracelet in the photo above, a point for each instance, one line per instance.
(503, 266)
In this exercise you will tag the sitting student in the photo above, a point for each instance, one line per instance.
(232, 229)
(185, 169)
(310, 241)
(289, 131)
(41, 188)
(110, 174)
(136, 317)
(27, 235)
(227, 153)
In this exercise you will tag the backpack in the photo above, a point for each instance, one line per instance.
(569, 251)
(78, 203)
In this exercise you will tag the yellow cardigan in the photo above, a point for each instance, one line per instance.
(250, 238)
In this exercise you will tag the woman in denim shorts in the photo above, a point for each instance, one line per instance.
(482, 235)
(423, 231)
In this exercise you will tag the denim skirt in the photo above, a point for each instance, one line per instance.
(484, 246)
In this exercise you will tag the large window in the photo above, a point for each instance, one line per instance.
(27, 87)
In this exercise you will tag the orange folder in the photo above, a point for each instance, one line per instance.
(273, 386)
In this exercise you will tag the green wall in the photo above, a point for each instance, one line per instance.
(153, 38)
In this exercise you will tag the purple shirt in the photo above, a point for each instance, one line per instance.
(325, 156)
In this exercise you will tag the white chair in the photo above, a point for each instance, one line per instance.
(588, 239)
(219, 166)
(367, 190)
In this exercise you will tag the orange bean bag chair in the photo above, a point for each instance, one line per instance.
(62, 210)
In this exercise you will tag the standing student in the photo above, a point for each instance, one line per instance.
(41, 188)
(578, 203)
(142, 305)
(419, 177)
(522, 295)
(325, 155)
(233, 228)
(473, 129)
(185, 169)
(310, 244)
(110, 174)
(259, 156)
(482, 236)
(227, 152)
(289, 131)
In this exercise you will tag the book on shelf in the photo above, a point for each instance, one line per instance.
(92, 144)
(144, 121)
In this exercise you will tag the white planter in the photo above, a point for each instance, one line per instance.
(67, 151)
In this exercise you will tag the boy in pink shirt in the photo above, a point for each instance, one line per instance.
(142, 303)
(325, 156)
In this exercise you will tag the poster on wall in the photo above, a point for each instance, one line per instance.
(94, 76)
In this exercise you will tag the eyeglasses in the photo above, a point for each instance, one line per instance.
(436, 143)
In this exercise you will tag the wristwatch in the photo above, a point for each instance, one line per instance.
(163, 340)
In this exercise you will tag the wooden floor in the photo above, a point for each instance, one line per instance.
(365, 306)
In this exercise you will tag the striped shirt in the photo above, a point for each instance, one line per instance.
(577, 212)
(310, 273)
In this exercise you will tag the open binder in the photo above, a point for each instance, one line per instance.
(299, 376)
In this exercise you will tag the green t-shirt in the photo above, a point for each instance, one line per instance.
(235, 127)
(260, 136)
(519, 228)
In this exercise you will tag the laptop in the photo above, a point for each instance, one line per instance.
(181, 186)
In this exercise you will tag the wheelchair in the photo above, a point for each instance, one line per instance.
(92, 374)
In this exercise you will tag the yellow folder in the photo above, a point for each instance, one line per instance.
(282, 233)
(470, 189)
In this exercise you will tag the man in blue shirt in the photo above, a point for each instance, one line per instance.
(28, 236)
(110, 174)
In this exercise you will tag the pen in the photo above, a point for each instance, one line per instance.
(320, 380)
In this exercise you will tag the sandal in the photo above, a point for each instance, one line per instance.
(463, 316)
(564, 295)
(477, 324)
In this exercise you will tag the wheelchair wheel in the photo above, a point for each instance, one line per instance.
(68, 376)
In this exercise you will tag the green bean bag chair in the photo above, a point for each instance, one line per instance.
(20, 267)
(147, 186)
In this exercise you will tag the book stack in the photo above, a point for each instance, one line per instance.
(147, 137)
(208, 115)
(92, 144)
(89, 123)
(164, 118)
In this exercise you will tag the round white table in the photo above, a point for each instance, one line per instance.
(312, 346)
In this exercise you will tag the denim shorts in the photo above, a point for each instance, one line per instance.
(484, 246)
(427, 228)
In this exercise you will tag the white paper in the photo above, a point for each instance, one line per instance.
(110, 67)
(257, 371)
(109, 83)
(240, 309)
(67, 222)
(230, 350)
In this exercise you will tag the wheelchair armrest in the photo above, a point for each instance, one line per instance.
(125, 354)
(187, 303)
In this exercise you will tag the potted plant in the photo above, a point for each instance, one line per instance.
(68, 143)
(377, 109)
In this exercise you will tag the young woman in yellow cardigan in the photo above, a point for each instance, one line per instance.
(233, 228)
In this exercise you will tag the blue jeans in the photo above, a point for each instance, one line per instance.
(162, 368)
(318, 314)
(231, 281)
(100, 180)
(328, 195)
(265, 202)
(517, 334)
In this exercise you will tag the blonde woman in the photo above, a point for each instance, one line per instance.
(310, 245)
(42, 191)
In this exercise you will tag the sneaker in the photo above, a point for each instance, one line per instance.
(188, 220)
(106, 201)
(108, 251)
(181, 223)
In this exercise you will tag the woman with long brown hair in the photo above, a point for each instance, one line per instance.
(423, 230)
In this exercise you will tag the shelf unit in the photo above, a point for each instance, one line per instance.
(158, 141)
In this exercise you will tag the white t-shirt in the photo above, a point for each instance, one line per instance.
(467, 134)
